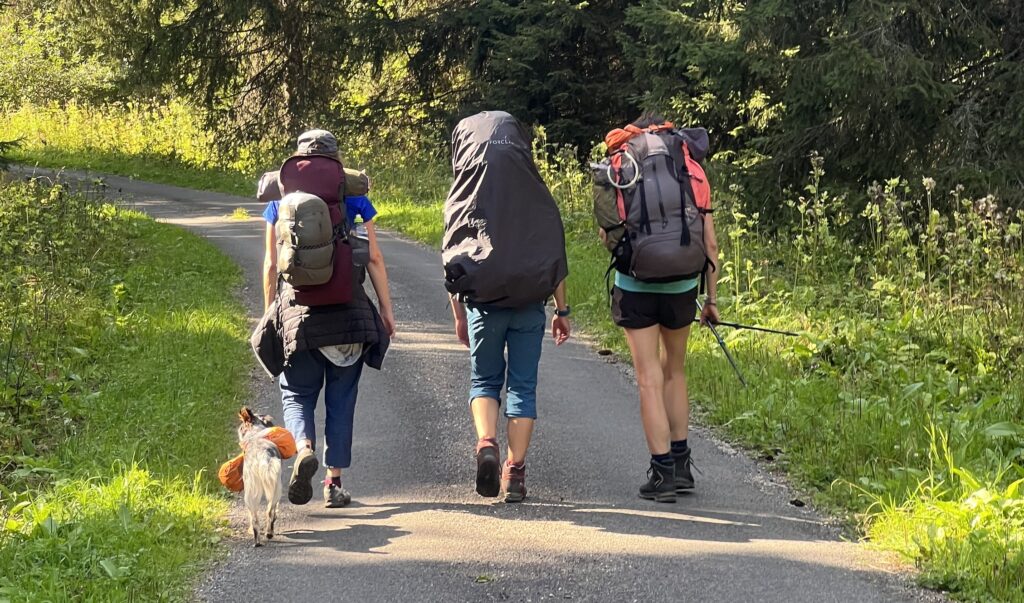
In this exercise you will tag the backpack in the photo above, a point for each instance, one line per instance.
(650, 196)
(504, 243)
(314, 255)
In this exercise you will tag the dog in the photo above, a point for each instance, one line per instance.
(261, 471)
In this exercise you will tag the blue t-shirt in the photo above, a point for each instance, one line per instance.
(354, 206)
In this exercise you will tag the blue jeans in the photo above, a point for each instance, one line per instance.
(491, 330)
(301, 383)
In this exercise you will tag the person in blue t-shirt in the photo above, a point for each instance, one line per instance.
(333, 369)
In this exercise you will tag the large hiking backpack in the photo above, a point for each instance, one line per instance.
(504, 243)
(650, 197)
(314, 255)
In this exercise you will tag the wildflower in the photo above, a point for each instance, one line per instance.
(929, 184)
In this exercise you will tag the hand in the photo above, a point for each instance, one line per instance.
(709, 314)
(389, 321)
(560, 329)
(602, 235)
(462, 331)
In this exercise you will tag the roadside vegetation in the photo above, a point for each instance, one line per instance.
(122, 358)
(901, 406)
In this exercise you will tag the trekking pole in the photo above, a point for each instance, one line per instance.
(721, 342)
(751, 328)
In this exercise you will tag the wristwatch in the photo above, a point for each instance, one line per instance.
(563, 313)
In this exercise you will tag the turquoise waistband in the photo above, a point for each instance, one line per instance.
(628, 283)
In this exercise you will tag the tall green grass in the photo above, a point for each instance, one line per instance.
(901, 406)
(123, 358)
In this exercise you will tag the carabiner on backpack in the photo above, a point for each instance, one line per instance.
(636, 174)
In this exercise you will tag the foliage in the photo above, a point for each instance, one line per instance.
(551, 63)
(122, 347)
(43, 59)
(968, 535)
(6, 146)
(877, 88)
(157, 142)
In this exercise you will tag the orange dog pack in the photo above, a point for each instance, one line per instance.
(230, 473)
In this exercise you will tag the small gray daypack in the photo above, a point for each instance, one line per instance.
(306, 237)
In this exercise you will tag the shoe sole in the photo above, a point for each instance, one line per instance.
(683, 487)
(662, 497)
(514, 497)
(487, 474)
(331, 505)
(300, 488)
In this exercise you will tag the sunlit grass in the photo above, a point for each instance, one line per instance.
(144, 378)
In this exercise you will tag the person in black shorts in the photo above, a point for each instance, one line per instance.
(656, 318)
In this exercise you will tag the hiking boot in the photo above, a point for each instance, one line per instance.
(488, 467)
(660, 484)
(683, 475)
(513, 482)
(335, 496)
(300, 487)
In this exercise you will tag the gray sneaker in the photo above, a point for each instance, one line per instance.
(336, 496)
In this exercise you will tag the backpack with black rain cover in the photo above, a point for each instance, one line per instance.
(650, 197)
(504, 243)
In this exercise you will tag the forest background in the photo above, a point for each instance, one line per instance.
(866, 162)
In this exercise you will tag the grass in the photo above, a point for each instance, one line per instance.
(900, 408)
(124, 366)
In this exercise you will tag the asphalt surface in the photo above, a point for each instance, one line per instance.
(417, 530)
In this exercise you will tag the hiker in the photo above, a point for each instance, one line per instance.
(318, 337)
(504, 256)
(653, 207)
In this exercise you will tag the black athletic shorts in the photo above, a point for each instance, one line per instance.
(633, 310)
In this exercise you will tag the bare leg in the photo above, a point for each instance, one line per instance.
(485, 417)
(673, 366)
(520, 430)
(643, 345)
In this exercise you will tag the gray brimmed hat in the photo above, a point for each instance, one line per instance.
(317, 142)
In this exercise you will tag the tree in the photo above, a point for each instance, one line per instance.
(878, 88)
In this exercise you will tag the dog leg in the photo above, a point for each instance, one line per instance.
(252, 503)
(271, 518)
(273, 498)
(254, 527)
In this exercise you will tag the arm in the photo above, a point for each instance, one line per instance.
(461, 326)
(710, 311)
(270, 268)
(379, 277)
(560, 328)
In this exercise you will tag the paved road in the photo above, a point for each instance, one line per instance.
(418, 532)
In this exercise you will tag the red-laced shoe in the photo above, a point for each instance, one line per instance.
(513, 482)
(488, 467)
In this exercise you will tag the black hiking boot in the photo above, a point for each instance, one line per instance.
(488, 468)
(683, 475)
(660, 486)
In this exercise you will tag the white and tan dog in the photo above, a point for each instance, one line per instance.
(261, 470)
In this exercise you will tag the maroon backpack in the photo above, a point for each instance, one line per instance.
(324, 177)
